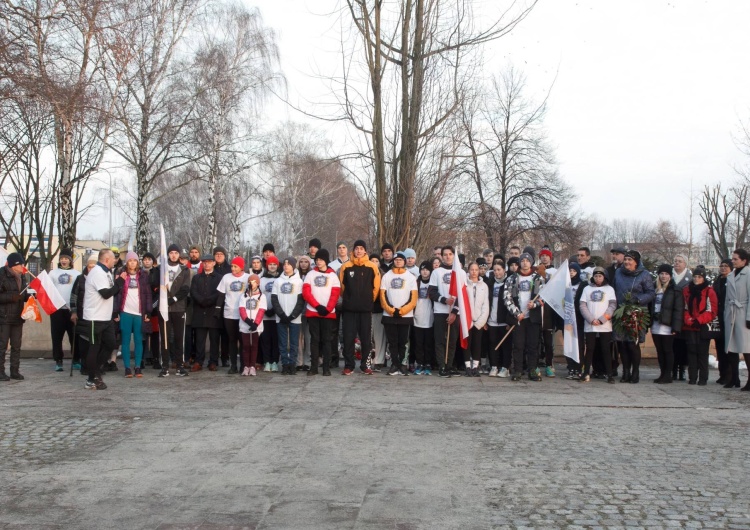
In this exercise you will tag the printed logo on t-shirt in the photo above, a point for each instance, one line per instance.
(584, 276)
(597, 296)
(251, 304)
(236, 286)
(269, 287)
(321, 280)
(524, 286)
(286, 288)
(659, 298)
(423, 292)
(132, 283)
(447, 278)
(172, 275)
(397, 283)
(496, 291)
(64, 279)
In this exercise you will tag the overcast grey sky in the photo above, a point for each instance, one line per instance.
(647, 96)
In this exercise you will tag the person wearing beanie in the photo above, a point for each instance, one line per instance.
(633, 285)
(576, 287)
(151, 346)
(597, 305)
(269, 340)
(304, 353)
(320, 290)
(268, 250)
(76, 315)
(256, 266)
(342, 256)
(682, 278)
(727, 375)
(288, 304)
(445, 307)
(551, 321)
(398, 298)
(98, 308)
(522, 302)
(133, 305)
(379, 340)
(178, 288)
(204, 296)
(386, 257)
(13, 296)
(222, 265)
(737, 311)
(194, 258)
(411, 262)
(701, 307)
(514, 263)
(231, 288)
(666, 320)
(479, 302)
(497, 323)
(360, 287)
(253, 306)
(63, 279)
(423, 334)
(313, 247)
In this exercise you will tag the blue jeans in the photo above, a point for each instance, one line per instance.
(288, 342)
(131, 324)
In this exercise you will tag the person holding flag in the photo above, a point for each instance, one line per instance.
(174, 290)
(13, 295)
(521, 298)
(63, 279)
(445, 283)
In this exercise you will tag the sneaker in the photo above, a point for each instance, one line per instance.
(484, 370)
(164, 373)
(58, 367)
(503, 372)
(232, 370)
(493, 371)
(444, 372)
(138, 372)
(111, 366)
(571, 375)
(251, 371)
(549, 371)
(611, 380)
(96, 384)
(246, 371)
(367, 371)
(274, 367)
(346, 371)
(76, 366)
(181, 372)
(418, 370)
(468, 372)
(128, 373)
(475, 372)
(426, 370)
(535, 375)
(267, 367)
(405, 371)
(394, 370)
(196, 367)
(516, 377)
(212, 367)
(585, 379)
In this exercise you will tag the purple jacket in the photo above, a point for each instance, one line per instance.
(144, 294)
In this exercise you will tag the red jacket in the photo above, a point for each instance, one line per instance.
(703, 310)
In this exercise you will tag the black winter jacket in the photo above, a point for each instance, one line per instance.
(672, 306)
(204, 298)
(11, 299)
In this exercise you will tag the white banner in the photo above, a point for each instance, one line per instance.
(558, 293)
(163, 277)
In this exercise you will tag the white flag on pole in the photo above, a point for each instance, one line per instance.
(558, 293)
(163, 277)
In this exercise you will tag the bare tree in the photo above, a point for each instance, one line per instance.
(726, 214)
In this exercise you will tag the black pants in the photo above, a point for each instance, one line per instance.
(722, 358)
(474, 348)
(525, 345)
(335, 338)
(440, 327)
(151, 346)
(189, 342)
(357, 324)
(102, 340)
(11, 333)
(733, 368)
(501, 357)
(321, 341)
(697, 357)
(232, 328)
(60, 324)
(680, 354)
(269, 342)
(224, 342)
(424, 346)
(397, 336)
(664, 352)
(200, 345)
(175, 332)
(630, 353)
(548, 342)
(598, 342)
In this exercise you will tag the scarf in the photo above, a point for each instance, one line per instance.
(696, 291)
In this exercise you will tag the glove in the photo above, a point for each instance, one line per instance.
(253, 326)
(747, 324)
(171, 301)
(218, 312)
(322, 311)
(397, 313)
(249, 321)
(284, 319)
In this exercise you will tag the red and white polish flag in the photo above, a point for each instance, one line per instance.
(458, 291)
(46, 293)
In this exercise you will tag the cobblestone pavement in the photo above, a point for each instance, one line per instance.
(218, 451)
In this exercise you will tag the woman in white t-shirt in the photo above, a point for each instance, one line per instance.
(133, 305)
(598, 304)
(232, 286)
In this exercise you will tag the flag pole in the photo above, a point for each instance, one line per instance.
(511, 328)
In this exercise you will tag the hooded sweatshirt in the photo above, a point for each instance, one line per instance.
(286, 298)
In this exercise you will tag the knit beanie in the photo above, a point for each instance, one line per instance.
(527, 256)
(66, 252)
(149, 255)
(173, 248)
(239, 261)
(220, 249)
(700, 270)
(664, 267)
(323, 254)
(315, 242)
(270, 247)
(634, 255)
(360, 243)
(399, 254)
(291, 260)
(410, 253)
(14, 258)
(272, 259)
(386, 246)
(131, 255)
(515, 260)
(546, 251)
(530, 251)
(727, 261)
(425, 265)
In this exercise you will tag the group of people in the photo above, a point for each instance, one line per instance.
(290, 315)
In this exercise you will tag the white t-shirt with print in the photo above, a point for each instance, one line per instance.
(132, 302)
(233, 287)
(95, 307)
(423, 314)
(398, 288)
(597, 300)
(63, 280)
(252, 304)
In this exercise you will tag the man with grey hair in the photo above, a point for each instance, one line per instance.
(682, 277)
(98, 306)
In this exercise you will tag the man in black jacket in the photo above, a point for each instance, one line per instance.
(12, 298)
(178, 289)
(205, 318)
